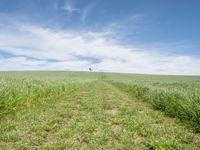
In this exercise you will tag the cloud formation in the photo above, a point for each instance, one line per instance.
(36, 48)
(87, 10)
(70, 8)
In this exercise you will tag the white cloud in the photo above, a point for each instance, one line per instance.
(23, 63)
(71, 50)
(87, 10)
(70, 8)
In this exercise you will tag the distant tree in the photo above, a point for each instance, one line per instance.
(90, 69)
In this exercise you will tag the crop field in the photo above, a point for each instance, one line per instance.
(88, 110)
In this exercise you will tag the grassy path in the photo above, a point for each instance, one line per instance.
(100, 116)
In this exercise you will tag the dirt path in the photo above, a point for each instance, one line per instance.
(100, 116)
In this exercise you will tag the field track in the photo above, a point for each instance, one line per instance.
(98, 116)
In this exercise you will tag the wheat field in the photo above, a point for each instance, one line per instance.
(88, 110)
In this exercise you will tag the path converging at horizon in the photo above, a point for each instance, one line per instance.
(98, 115)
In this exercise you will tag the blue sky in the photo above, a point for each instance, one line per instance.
(136, 36)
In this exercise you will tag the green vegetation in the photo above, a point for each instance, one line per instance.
(19, 89)
(80, 110)
(177, 96)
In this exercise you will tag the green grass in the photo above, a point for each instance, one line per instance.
(177, 96)
(96, 111)
(23, 89)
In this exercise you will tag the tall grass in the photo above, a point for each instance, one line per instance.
(23, 89)
(183, 104)
(177, 96)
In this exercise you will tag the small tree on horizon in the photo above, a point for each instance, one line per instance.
(90, 69)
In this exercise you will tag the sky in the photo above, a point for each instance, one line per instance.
(129, 36)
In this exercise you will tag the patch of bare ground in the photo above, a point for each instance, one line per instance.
(113, 111)
(50, 137)
(28, 135)
(117, 127)
(84, 144)
(139, 139)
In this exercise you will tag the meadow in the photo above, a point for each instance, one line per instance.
(177, 96)
(88, 110)
(23, 89)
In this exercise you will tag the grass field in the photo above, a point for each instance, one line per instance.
(82, 110)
